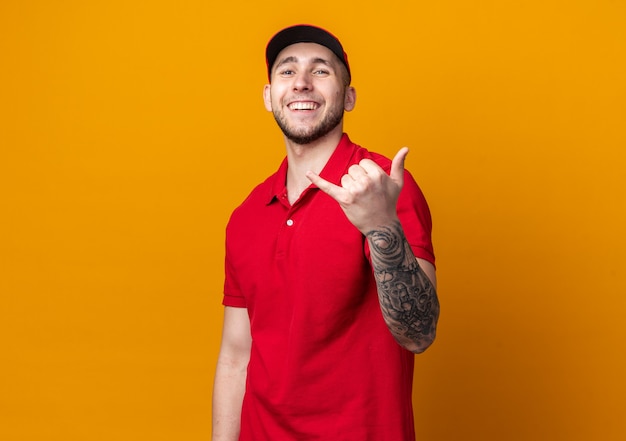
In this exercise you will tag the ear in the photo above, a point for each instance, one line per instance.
(350, 99)
(267, 98)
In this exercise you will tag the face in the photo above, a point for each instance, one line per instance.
(308, 92)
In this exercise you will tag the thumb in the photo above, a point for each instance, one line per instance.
(397, 166)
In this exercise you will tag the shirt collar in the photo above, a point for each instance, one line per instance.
(334, 169)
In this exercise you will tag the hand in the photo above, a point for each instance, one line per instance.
(367, 195)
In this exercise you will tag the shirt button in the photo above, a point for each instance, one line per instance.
(290, 222)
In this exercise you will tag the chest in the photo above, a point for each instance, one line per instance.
(302, 253)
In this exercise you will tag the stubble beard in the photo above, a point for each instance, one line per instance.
(308, 135)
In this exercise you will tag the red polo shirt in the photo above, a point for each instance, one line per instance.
(323, 364)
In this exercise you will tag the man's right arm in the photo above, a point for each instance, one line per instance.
(230, 374)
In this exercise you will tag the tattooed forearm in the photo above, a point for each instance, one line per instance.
(408, 299)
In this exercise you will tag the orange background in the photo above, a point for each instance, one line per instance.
(130, 130)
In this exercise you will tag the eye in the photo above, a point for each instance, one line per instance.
(321, 72)
(287, 72)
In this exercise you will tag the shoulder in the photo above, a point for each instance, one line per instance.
(260, 196)
(361, 153)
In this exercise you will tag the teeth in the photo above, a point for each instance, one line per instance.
(302, 106)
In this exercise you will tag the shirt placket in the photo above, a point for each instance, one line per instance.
(289, 224)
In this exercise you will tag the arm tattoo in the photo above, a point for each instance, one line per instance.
(408, 299)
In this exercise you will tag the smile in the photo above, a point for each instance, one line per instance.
(303, 105)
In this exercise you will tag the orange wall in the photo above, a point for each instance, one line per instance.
(130, 130)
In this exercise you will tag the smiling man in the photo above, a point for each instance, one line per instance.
(330, 283)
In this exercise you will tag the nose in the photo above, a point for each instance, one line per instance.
(302, 81)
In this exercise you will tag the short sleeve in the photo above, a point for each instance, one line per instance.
(232, 293)
(415, 218)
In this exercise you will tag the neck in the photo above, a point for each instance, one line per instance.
(313, 157)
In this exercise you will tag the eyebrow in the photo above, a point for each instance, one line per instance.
(322, 61)
(286, 60)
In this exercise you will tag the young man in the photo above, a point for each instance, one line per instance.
(330, 279)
